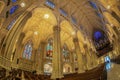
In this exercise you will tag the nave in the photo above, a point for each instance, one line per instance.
(59, 39)
(17, 74)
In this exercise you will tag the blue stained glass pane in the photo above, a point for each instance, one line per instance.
(93, 4)
(107, 59)
(11, 24)
(73, 20)
(48, 47)
(63, 12)
(27, 51)
(50, 4)
(98, 35)
(100, 15)
(14, 0)
(108, 66)
(13, 9)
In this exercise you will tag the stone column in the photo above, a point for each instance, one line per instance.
(85, 61)
(41, 58)
(79, 55)
(72, 58)
(94, 58)
(22, 76)
(88, 60)
(34, 58)
(7, 73)
(57, 56)
(88, 56)
(33, 54)
(19, 47)
(37, 57)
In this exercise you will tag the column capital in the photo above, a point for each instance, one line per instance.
(91, 49)
(56, 28)
(57, 58)
(85, 46)
(22, 34)
(75, 39)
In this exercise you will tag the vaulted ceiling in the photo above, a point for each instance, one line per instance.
(82, 11)
(81, 15)
(40, 26)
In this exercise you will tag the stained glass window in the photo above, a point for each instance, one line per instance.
(74, 21)
(28, 51)
(65, 53)
(93, 4)
(11, 24)
(49, 48)
(108, 62)
(50, 4)
(75, 57)
(14, 0)
(98, 14)
(63, 12)
(98, 35)
(13, 9)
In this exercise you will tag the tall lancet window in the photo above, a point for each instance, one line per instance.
(108, 63)
(65, 53)
(27, 50)
(49, 48)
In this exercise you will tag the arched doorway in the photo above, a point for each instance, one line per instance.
(48, 68)
(67, 68)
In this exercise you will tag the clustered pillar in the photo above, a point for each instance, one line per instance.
(89, 58)
(41, 52)
(72, 60)
(79, 55)
(57, 56)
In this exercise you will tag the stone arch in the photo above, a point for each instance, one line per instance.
(12, 35)
(43, 26)
(67, 34)
(15, 29)
(67, 68)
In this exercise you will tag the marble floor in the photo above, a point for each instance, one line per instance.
(114, 72)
